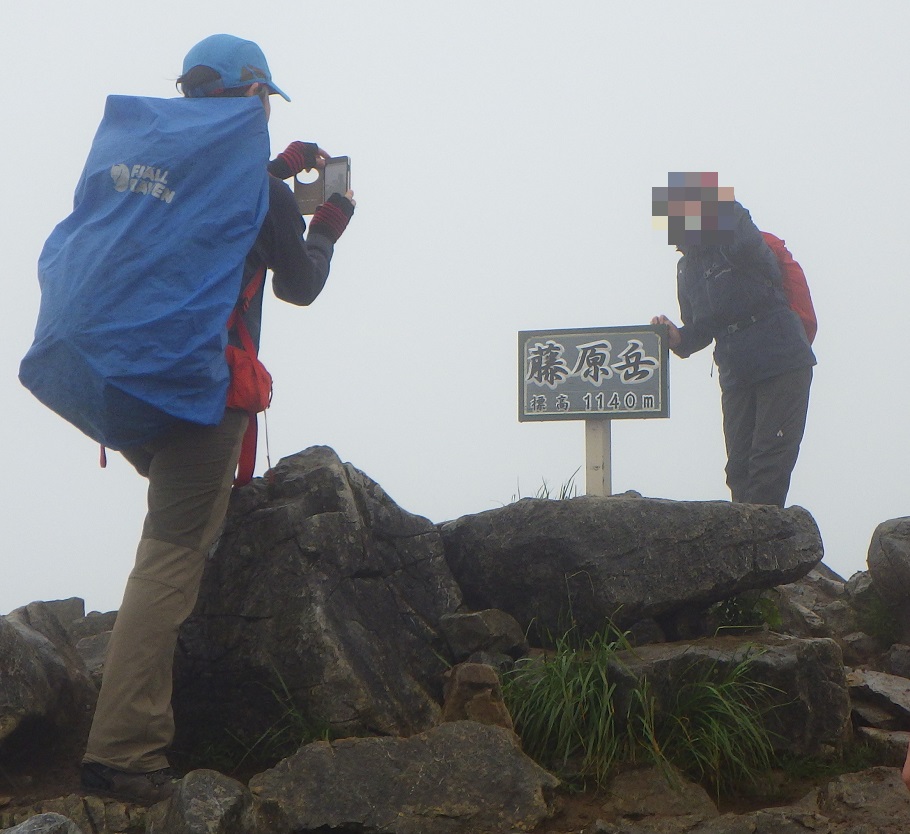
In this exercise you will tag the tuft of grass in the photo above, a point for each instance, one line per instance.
(710, 726)
(568, 489)
(285, 736)
(563, 705)
(579, 714)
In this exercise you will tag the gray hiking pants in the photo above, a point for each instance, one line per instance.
(190, 470)
(763, 427)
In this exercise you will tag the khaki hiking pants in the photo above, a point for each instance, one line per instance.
(190, 471)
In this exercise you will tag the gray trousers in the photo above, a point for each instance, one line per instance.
(190, 470)
(763, 427)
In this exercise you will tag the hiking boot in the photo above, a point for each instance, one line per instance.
(141, 788)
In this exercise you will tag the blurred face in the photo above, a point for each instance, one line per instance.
(694, 210)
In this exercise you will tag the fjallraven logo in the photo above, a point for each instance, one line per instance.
(142, 179)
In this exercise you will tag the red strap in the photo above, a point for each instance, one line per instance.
(243, 333)
(247, 462)
(246, 298)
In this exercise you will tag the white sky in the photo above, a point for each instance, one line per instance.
(503, 153)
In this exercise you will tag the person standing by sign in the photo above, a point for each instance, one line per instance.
(729, 291)
(190, 467)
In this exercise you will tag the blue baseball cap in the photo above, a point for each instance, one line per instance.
(238, 62)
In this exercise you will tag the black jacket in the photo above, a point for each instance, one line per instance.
(300, 266)
(732, 295)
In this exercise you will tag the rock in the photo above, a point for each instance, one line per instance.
(801, 604)
(860, 587)
(322, 589)
(91, 625)
(886, 691)
(811, 707)
(646, 793)
(205, 802)
(93, 650)
(889, 567)
(587, 559)
(875, 798)
(838, 617)
(88, 814)
(45, 824)
(490, 631)
(459, 778)
(897, 660)
(37, 685)
(645, 632)
(870, 715)
(473, 692)
(502, 663)
(859, 648)
(41, 617)
(795, 618)
(788, 820)
(66, 610)
(889, 745)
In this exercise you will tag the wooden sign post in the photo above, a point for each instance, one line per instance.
(598, 465)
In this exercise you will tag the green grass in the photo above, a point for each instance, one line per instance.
(563, 705)
(568, 489)
(710, 725)
(577, 716)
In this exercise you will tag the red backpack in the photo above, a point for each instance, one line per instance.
(795, 287)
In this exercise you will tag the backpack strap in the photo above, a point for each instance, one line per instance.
(243, 304)
(247, 461)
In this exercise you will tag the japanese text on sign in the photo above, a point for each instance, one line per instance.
(589, 373)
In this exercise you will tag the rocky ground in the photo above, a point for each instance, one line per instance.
(574, 812)
(355, 609)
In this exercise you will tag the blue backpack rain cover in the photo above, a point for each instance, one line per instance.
(137, 284)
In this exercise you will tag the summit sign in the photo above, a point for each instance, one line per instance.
(592, 373)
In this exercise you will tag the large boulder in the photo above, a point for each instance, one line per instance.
(44, 692)
(808, 705)
(45, 618)
(459, 778)
(325, 592)
(889, 567)
(582, 560)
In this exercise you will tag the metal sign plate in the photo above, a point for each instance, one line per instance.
(590, 373)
